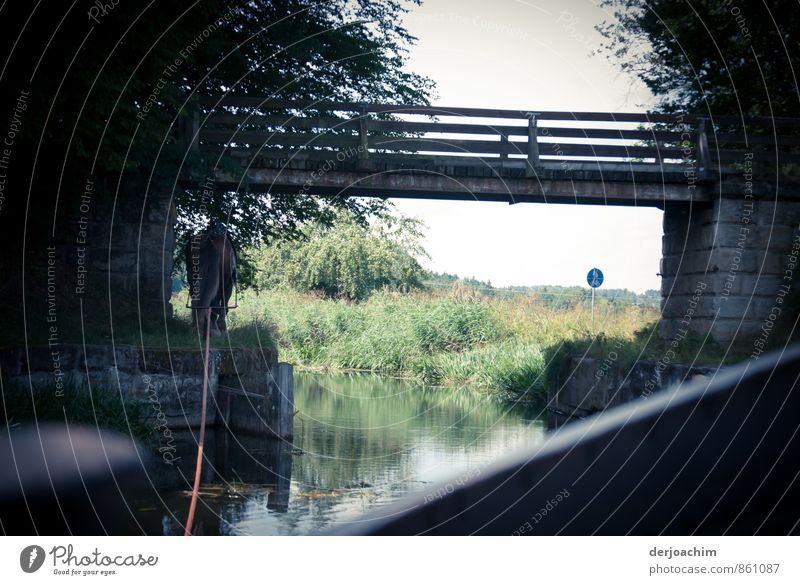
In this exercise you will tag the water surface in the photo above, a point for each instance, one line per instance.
(360, 441)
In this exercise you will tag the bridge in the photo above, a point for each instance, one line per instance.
(727, 185)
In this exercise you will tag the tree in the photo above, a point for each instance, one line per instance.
(105, 87)
(348, 260)
(716, 58)
(709, 57)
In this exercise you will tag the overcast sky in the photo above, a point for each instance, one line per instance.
(530, 55)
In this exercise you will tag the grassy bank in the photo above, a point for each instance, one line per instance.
(512, 345)
(453, 338)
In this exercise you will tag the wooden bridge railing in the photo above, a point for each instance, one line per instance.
(252, 128)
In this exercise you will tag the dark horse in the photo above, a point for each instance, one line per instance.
(211, 271)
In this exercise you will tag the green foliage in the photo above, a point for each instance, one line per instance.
(445, 280)
(305, 50)
(389, 333)
(106, 95)
(710, 57)
(454, 338)
(453, 325)
(717, 58)
(644, 344)
(349, 260)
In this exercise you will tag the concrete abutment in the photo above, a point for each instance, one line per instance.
(728, 269)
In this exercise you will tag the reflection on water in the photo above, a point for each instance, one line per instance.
(359, 442)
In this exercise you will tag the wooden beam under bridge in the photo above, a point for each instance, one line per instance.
(435, 185)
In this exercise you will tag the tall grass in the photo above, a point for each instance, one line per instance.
(508, 367)
(247, 324)
(456, 337)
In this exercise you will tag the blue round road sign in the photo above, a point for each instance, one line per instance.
(595, 277)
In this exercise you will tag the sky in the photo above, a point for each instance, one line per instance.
(530, 55)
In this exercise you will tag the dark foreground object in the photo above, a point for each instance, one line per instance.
(718, 456)
(58, 479)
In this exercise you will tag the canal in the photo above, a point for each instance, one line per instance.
(360, 441)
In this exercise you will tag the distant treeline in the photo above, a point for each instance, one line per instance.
(553, 296)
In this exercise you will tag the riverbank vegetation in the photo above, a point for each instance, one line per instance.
(354, 296)
(454, 337)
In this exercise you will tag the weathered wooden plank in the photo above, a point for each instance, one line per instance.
(757, 121)
(755, 139)
(363, 136)
(284, 121)
(533, 159)
(273, 157)
(545, 148)
(544, 131)
(283, 400)
(608, 150)
(279, 138)
(447, 145)
(399, 126)
(386, 126)
(755, 155)
(614, 134)
(437, 186)
(434, 144)
(264, 104)
(249, 155)
(340, 156)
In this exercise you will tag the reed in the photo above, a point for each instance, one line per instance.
(455, 337)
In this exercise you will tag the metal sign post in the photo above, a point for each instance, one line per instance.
(595, 279)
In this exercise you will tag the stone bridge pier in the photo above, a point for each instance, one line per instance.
(729, 270)
(126, 241)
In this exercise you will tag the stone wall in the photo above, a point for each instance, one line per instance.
(110, 255)
(724, 268)
(167, 383)
(126, 245)
(590, 385)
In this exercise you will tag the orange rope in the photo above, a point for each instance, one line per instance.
(199, 464)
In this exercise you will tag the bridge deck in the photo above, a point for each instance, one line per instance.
(612, 186)
(491, 155)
